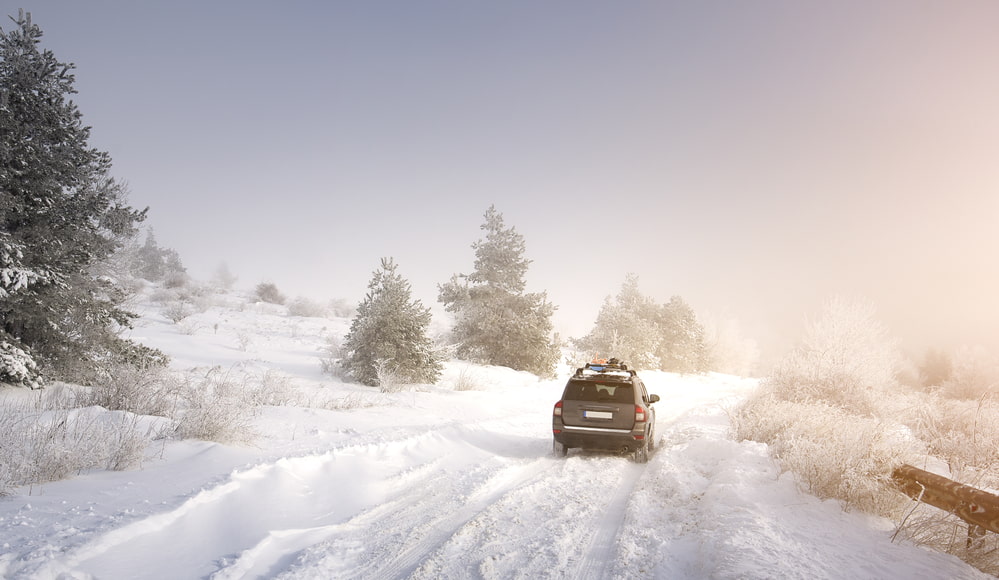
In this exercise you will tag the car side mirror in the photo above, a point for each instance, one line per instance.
(653, 399)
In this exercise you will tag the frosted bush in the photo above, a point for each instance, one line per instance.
(347, 402)
(216, 407)
(244, 340)
(389, 377)
(832, 453)
(39, 444)
(974, 373)
(175, 310)
(140, 390)
(846, 359)
(467, 380)
(963, 434)
(330, 355)
(271, 388)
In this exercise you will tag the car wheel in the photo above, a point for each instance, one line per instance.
(642, 453)
(559, 450)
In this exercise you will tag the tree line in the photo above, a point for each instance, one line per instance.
(497, 322)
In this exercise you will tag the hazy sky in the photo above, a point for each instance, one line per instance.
(753, 157)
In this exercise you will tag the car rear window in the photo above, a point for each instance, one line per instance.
(596, 392)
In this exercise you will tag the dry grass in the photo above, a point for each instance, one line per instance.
(41, 440)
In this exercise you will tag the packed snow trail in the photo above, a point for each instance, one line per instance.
(421, 500)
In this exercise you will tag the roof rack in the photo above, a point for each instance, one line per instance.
(613, 368)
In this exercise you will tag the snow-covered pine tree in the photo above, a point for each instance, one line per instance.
(158, 264)
(61, 214)
(682, 348)
(496, 322)
(151, 263)
(389, 334)
(647, 335)
(626, 328)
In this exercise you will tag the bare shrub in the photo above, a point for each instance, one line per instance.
(38, 445)
(467, 380)
(963, 434)
(189, 327)
(126, 443)
(179, 305)
(271, 388)
(390, 380)
(330, 355)
(244, 340)
(139, 390)
(821, 410)
(832, 453)
(216, 407)
(928, 526)
(349, 402)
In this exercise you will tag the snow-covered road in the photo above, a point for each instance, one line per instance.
(438, 498)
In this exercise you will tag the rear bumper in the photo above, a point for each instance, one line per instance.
(598, 438)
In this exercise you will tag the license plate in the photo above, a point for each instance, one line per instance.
(598, 415)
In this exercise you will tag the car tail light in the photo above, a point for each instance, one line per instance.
(558, 409)
(639, 414)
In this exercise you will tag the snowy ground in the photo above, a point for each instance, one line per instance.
(436, 483)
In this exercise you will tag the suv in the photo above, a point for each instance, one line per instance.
(605, 406)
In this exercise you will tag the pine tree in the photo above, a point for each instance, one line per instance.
(158, 264)
(632, 327)
(496, 322)
(682, 348)
(61, 214)
(388, 335)
(151, 261)
(626, 328)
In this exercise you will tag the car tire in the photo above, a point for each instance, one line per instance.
(642, 453)
(559, 450)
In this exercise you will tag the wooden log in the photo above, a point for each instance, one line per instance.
(978, 508)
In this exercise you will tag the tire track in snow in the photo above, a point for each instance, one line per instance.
(602, 550)
(280, 548)
(306, 499)
(543, 528)
(437, 528)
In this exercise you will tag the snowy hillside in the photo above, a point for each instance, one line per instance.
(434, 482)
